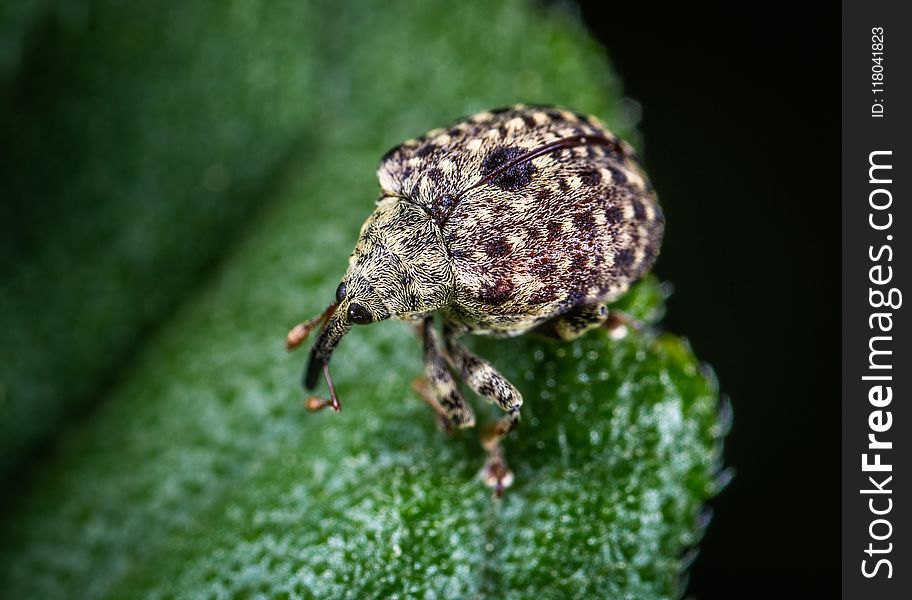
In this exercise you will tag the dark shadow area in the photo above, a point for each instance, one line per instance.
(120, 195)
(742, 139)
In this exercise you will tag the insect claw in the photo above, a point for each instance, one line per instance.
(496, 474)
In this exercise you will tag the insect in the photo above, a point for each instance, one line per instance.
(515, 220)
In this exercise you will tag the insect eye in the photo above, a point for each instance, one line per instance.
(340, 292)
(358, 314)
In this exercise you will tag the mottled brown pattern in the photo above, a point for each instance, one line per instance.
(507, 220)
(588, 208)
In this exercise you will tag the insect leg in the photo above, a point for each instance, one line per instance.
(496, 473)
(619, 323)
(488, 382)
(572, 325)
(443, 394)
(480, 375)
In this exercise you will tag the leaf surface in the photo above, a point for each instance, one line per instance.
(200, 474)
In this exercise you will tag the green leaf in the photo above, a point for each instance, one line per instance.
(201, 474)
(137, 143)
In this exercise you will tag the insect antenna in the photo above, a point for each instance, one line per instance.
(334, 329)
(299, 332)
(315, 403)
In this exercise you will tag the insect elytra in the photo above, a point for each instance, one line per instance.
(515, 220)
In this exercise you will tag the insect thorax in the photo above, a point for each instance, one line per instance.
(401, 256)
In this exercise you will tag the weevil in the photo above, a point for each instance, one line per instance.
(515, 220)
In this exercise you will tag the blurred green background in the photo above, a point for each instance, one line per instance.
(182, 182)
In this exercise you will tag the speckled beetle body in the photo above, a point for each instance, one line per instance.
(513, 220)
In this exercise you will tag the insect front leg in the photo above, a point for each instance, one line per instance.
(480, 375)
(439, 389)
(486, 381)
